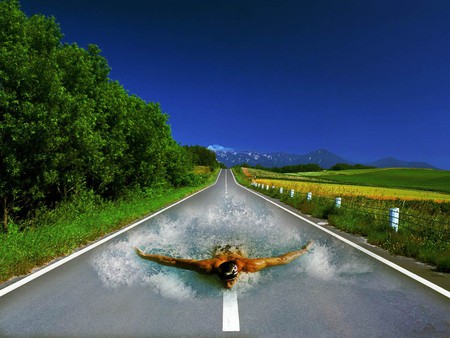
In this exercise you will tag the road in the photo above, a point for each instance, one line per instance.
(335, 290)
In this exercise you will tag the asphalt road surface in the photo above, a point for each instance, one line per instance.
(333, 291)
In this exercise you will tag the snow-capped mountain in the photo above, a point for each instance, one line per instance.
(322, 157)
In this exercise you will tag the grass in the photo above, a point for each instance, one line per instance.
(77, 223)
(424, 229)
(341, 190)
(420, 179)
(405, 184)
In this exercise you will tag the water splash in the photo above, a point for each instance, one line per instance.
(198, 233)
(170, 285)
(323, 263)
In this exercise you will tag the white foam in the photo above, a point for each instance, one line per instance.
(248, 281)
(195, 233)
(322, 263)
(170, 285)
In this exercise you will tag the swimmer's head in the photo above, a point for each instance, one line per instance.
(228, 272)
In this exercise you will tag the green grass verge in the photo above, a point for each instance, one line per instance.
(424, 231)
(75, 224)
(422, 179)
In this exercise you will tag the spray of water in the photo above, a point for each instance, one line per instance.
(325, 264)
(197, 233)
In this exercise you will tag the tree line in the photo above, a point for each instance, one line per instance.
(288, 169)
(310, 167)
(203, 156)
(66, 127)
(345, 166)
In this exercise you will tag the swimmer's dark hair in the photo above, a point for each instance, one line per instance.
(228, 270)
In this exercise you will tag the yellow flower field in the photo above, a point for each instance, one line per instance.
(340, 190)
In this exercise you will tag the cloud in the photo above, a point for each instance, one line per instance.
(217, 147)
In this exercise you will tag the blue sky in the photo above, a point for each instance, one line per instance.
(363, 79)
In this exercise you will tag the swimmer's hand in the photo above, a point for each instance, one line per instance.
(308, 245)
(138, 251)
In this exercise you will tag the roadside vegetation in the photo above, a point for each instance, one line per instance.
(424, 225)
(78, 222)
(79, 155)
(390, 183)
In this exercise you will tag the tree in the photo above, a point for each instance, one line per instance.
(28, 84)
(65, 127)
(202, 156)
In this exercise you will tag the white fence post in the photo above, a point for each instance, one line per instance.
(292, 193)
(394, 216)
(281, 190)
(338, 202)
(309, 196)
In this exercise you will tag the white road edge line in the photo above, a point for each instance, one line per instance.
(404, 271)
(43, 271)
(230, 319)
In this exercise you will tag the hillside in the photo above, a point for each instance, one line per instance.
(321, 157)
(391, 162)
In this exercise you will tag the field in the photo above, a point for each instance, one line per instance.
(405, 184)
(367, 196)
(421, 179)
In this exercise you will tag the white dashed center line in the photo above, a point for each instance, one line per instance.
(230, 311)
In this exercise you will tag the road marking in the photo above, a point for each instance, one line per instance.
(226, 183)
(230, 319)
(404, 271)
(43, 271)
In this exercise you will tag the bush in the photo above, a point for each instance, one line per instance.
(443, 261)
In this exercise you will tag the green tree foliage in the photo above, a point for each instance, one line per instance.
(298, 168)
(202, 156)
(288, 169)
(65, 127)
(345, 166)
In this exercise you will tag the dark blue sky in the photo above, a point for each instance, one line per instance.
(363, 79)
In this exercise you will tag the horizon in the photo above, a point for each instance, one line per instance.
(365, 80)
(219, 148)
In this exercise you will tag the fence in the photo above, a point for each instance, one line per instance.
(396, 219)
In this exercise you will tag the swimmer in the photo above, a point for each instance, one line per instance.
(226, 265)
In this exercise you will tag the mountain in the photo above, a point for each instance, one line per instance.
(322, 157)
(391, 162)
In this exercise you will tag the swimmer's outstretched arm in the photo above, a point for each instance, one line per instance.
(200, 266)
(257, 264)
